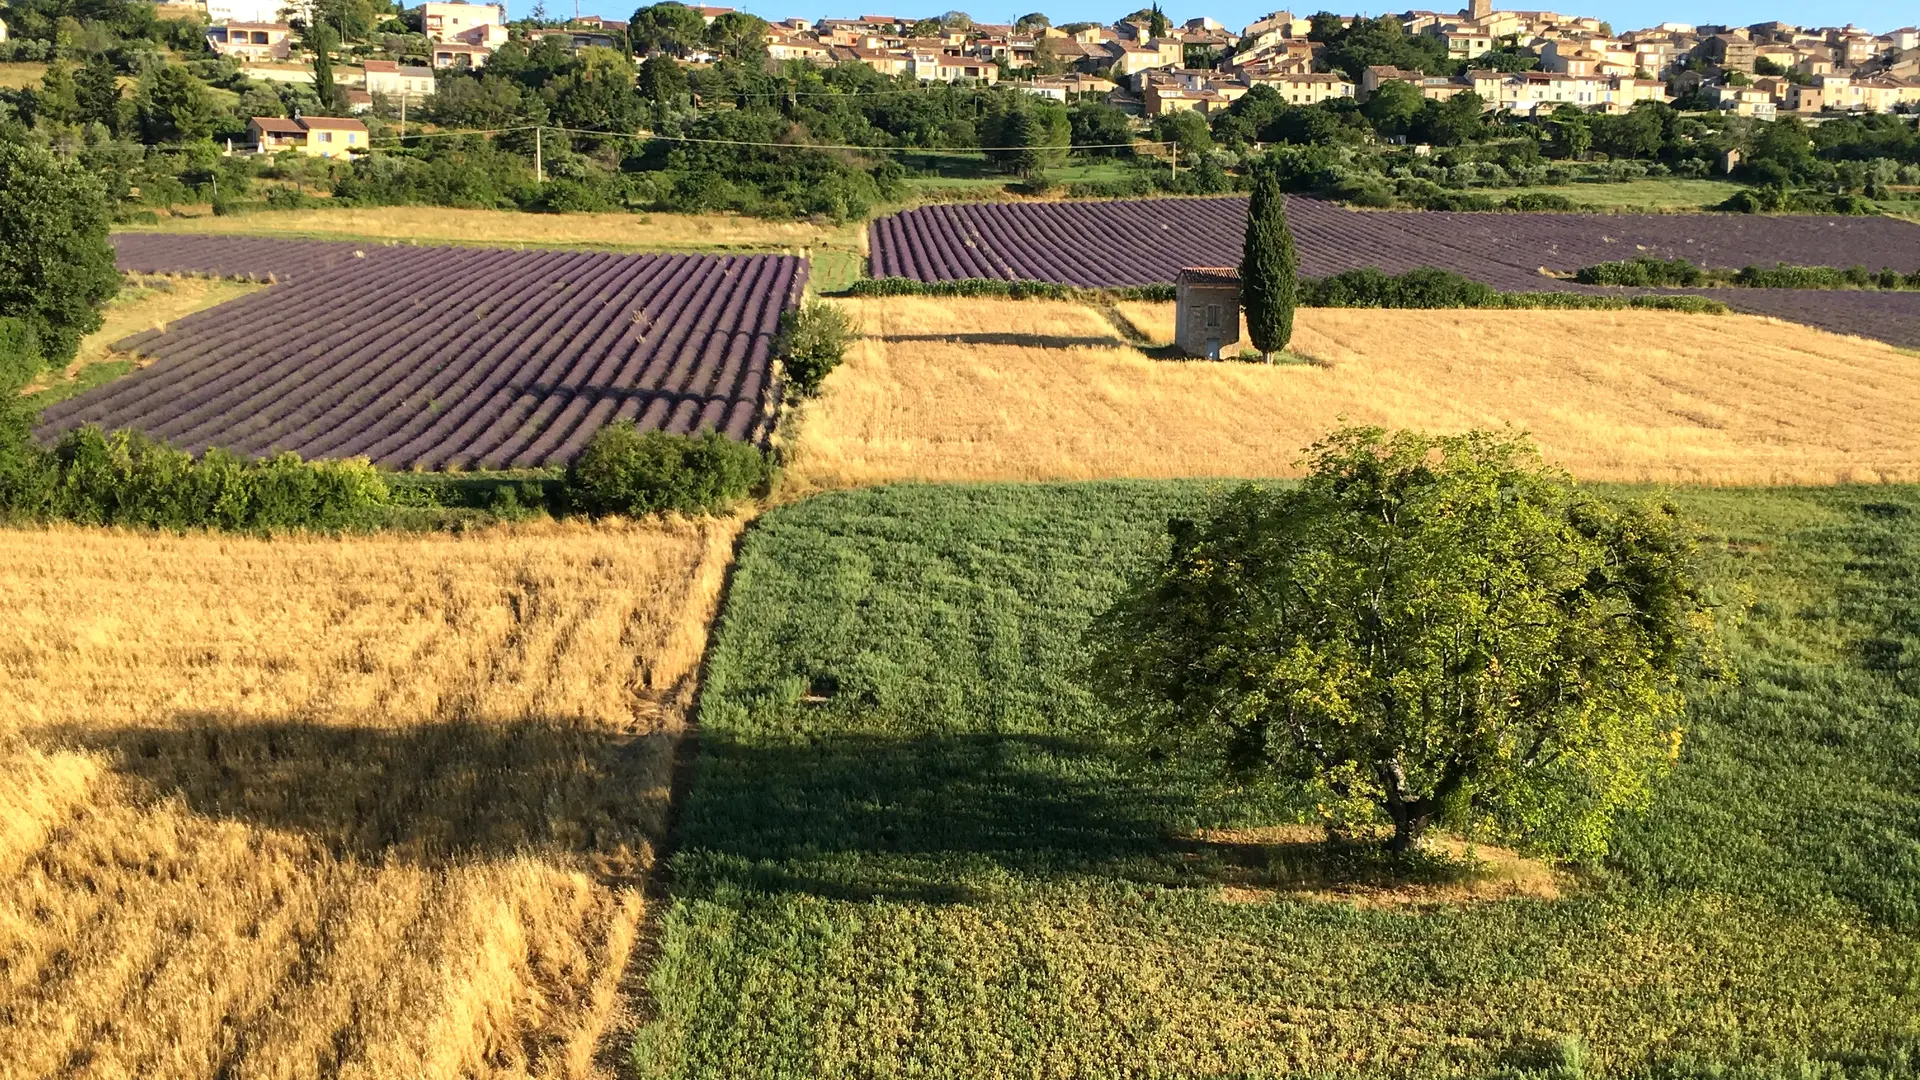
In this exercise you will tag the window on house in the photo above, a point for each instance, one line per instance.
(1213, 316)
(326, 136)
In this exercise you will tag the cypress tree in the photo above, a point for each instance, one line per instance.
(320, 38)
(1269, 269)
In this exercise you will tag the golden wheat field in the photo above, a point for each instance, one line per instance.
(377, 807)
(1023, 390)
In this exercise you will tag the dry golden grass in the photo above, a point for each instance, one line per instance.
(145, 302)
(1291, 862)
(370, 808)
(423, 224)
(16, 76)
(1012, 390)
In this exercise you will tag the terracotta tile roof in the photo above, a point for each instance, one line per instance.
(1208, 275)
(332, 123)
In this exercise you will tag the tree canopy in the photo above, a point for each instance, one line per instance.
(668, 27)
(1427, 629)
(56, 266)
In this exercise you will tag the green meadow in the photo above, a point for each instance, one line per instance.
(915, 846)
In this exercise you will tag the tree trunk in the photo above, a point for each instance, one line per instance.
(1409, 826)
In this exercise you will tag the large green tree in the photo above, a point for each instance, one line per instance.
(737, 35)
(56, 266)
(669, 27)
(173, 106)
(1426, 629)
(1269, 268)
(97, 92)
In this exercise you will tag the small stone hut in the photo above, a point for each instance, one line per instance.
(1207, 307)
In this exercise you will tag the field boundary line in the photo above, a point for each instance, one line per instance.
(636, 1008)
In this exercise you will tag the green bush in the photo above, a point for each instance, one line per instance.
(813, 340)
(1642, 271)
(1533, 201)
(1424, 287)
(624, 470)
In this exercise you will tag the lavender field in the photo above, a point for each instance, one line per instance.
(1146, 241)
(1143, 241)
(421, 357)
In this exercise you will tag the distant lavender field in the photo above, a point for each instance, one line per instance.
(1147, 241)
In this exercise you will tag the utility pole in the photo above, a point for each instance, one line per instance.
(403, 119)
(1174, 162)
(539, 172)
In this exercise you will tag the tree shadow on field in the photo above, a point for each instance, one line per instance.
(932, 818)
(432, 793)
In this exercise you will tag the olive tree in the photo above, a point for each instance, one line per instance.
(1426, 629)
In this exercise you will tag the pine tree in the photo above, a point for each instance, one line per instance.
(1269, 269)
(97, 89)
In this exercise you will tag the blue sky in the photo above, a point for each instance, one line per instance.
(1875, 15)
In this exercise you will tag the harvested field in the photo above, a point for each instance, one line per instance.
(1139, 242)
(448, 225)
(970, 390)
(368, 808)
(423, 357)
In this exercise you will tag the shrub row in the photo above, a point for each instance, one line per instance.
(1425, 287)
(1005, 290)
(1646, 271)
(1782, 276)
(125, 478)
(1775, 199)
(1428, 287)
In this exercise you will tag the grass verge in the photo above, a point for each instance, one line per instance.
(145, 302)
(1635, 196)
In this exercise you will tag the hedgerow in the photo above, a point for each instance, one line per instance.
(1645, 271)
(1005, 290)
(1427, 287)
(125, 478)
(1424, 287)
(128, 479)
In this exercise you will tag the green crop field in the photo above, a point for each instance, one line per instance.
(915, 846)
(1636, 196)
